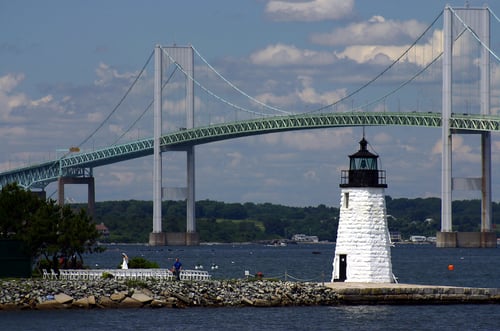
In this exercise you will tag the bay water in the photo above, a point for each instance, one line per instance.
(413, 264)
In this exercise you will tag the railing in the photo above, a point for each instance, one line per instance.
(89, 274)
(363, 178)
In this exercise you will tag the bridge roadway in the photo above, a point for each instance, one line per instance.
(80, 164)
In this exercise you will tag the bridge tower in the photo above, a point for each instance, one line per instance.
(183, 56)
(363, 248)
(455, 21)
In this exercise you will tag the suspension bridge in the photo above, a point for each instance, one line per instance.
(462, 27)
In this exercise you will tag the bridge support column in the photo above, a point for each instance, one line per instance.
(486, 237)
(192, 238)
(446, 238)
(184, 56)
(157, 237)
(78, 180)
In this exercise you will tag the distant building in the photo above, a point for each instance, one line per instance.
(302, 238)
(102, 229)
(395, 236)
(418, 239)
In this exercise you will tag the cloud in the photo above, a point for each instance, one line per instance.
(10, 100)
(235, 159)
(309, 95)
(421, 54)
(461, 150)
(311, 175)
(310, 140)
(308, 11)
(376, 30)
(106, 74)
(12, 131)
(305, 94)
(281, 54)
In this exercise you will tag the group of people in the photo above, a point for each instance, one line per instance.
(176, 268)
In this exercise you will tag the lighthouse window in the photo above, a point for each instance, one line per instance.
(364, 164)
(346, 200)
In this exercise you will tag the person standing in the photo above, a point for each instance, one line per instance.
(177, 267)
(125, 261)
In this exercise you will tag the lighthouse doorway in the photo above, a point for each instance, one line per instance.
(342, 267)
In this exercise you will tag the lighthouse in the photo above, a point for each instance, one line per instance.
(363, 247)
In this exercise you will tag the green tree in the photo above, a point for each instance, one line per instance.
(46, 228)
(17, 209)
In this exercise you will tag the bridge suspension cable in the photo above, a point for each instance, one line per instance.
(208, 91)
(381, 73)
(237, 89)
(412, 78)
(145, 110)
(474, 34)
(494, 15)
(119, 102)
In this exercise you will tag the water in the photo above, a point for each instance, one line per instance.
(417, 264)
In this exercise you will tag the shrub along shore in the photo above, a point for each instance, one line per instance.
(112, 293)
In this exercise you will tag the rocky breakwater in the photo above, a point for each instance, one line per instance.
(111, 293)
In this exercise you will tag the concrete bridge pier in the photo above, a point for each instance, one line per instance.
(157, 239)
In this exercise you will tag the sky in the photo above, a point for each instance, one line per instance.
(65, 65)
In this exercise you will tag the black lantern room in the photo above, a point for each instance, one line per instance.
(363, 169)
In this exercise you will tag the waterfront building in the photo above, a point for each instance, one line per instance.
(363, 246)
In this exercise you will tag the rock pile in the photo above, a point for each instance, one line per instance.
(115, 293)
(112, 293)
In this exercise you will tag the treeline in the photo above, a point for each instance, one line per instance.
(131, 221)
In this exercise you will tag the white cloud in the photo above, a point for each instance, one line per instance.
(309, 95)
(9, 82)
(9, 100)
(461, 151)
(95, 117)
(383, 138)
(234, 159)
(11, 132)
(310, 140)
(281, 54)
(307, 11)
(106, 74)
(376, 30)
(280, 100)
(311, 175)
(305, 94)
(421, 54)
(42, 101)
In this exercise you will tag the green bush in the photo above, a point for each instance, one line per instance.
(142, 263)
(107, 275)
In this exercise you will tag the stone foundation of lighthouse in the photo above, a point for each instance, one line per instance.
(363, 247)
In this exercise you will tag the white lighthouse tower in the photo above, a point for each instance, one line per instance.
(363, 247)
